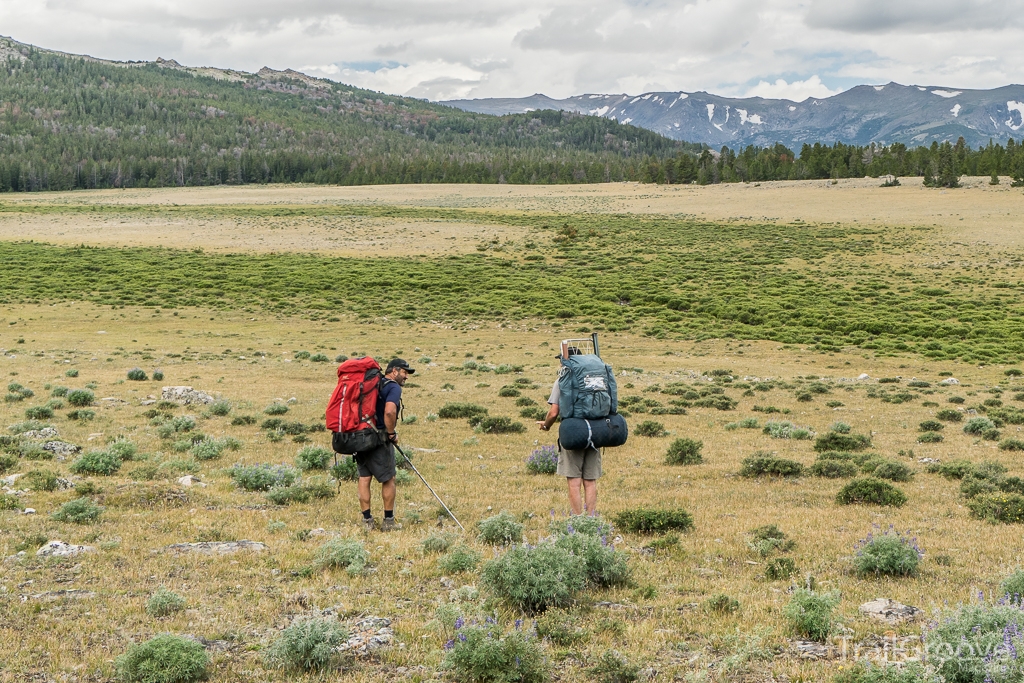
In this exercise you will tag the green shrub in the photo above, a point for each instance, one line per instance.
(953, 469)
(833, 469)
(834, 441)
(950, 415)
(966, 637)
(55, 404)
(313, 458)
(82, 415)
(482, 654)
(650, 428)
(262, 477)
(461, 558)
(865, 672)
(346, 469)
(769, 538)
(137, 375)
(1013, 586)
(500, 425)
(762, 464)
(978, 426)
(9, 502)
(123, 449)
(931, 426)
(7, 463)
(207, 449)
(591, 525)
(286, 495)
(59, 392)
(605, 566)
(73, 372)
(78, 511)
(451, 411)
(307, 645)
(561, 627)
(509, 392)
(612, 667)
(780, 568)
(684, 452)
(524, 402)
(438, 542)
(163, 659)
(533, 413)
(893, 471)
(1007, 508)
(80, 398)
(243, 420)
(722, 604)
(158, 376)
(164, 603)
(96, 462)
(28, 426)
(220, 408)
(39, 413)
(501, 529)
(887, 554)
(838, 455)
(534, 578)
(276, 409)
(930, 437)
(40, 480)
(1011, 445)
(645, 521)
(349, 555)
(811, 614)
(319, 358)
(871, 491)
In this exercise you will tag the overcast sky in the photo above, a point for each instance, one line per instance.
(445, 49)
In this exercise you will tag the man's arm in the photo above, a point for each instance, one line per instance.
(549, 420)
(391, 421)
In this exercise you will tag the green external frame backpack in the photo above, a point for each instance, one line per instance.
(586, 387)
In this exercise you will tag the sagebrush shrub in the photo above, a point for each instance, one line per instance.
(276, 409)
(59, 392)
(137, 375)
(534, 578)
(650, 428)
(220, 408)
(949, 414)
(978, 426)
(543, 460)
(349, 555)
(561, 627)
(1007, 508)
(158, 376)
(313, 458)
(82, 415)
(39, 413)
(262, 477)
(887, 554)
(243, 420)
(834, 441)
(307, 645)
(762, 464)
(7, 463)
(73, 372)
(930, 437)
(644, 520)
(866, 672)
(461, 558)
(501, 529)
(1013, 586)
(96, 462)
(722, 604)
(811, 614)
(483, 654)
(833, 469)
(286, 495)
(451, 411)
(123, 449)
(769, 538)
(952, 469)
(78, 511)
(40, 480)
(438, 542)
(684, 452)
(9, 502)
(207, 449)
(893, 471)
(163, 659)
(164, 602)
(871, 491)
(1011, 445)
(500, 425)
(931, 426)
(80, 398)
(509, 392)
(612, 667)
(972, 636)
(780, 568)
(605, 566)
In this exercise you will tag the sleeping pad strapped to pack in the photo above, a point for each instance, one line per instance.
(588, 404)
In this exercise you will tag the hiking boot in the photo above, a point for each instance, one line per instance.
(389, 524)
(369, 524)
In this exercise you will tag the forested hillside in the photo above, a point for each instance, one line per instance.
(68, 122)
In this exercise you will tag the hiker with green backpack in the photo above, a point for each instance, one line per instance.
(585, 397)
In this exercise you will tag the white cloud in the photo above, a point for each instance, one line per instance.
(798, 91)
(511, 48)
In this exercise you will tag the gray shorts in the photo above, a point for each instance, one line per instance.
(378, 463)
(585, 463)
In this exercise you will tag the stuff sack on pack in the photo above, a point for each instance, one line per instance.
(586, 387)
(351, 412)
(576, 433)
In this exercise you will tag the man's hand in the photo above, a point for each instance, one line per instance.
(544, 426)
(393, 437)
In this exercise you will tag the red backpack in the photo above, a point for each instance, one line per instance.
(351, 412)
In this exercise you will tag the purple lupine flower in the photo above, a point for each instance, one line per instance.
(459, 623)
(462, 637)
(449, 645)
(519, 624)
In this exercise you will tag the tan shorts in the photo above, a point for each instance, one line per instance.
(578, 464)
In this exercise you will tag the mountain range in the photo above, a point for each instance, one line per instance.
(913, 115)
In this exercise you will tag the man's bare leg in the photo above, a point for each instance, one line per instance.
(590, 491)
(364, 493)
(387, 492)
(574, 495)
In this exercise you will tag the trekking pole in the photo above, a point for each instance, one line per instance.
(428, 487)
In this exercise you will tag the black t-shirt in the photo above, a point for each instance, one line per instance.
(390, 392)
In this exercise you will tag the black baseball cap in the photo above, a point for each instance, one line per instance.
(399, 363)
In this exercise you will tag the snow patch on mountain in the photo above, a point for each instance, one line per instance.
(947, 93)
(956, 110)
(1019, 108)
(753, 118)
(711, 111)
(879, 88)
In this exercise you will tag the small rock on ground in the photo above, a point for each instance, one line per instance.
(367, 635)
(950, 380)
(62, 549)
(812, 650)
(44, 433)
(890, 611)
(186, 396)
(216, 547)
(61, 448)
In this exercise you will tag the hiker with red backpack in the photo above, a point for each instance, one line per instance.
(363, 414)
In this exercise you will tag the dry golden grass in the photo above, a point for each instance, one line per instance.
(246, 596)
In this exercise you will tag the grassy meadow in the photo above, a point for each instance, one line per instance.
(716, 326)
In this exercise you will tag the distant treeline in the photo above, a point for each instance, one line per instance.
(68, 123)
(940, 164)
(71, 123)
